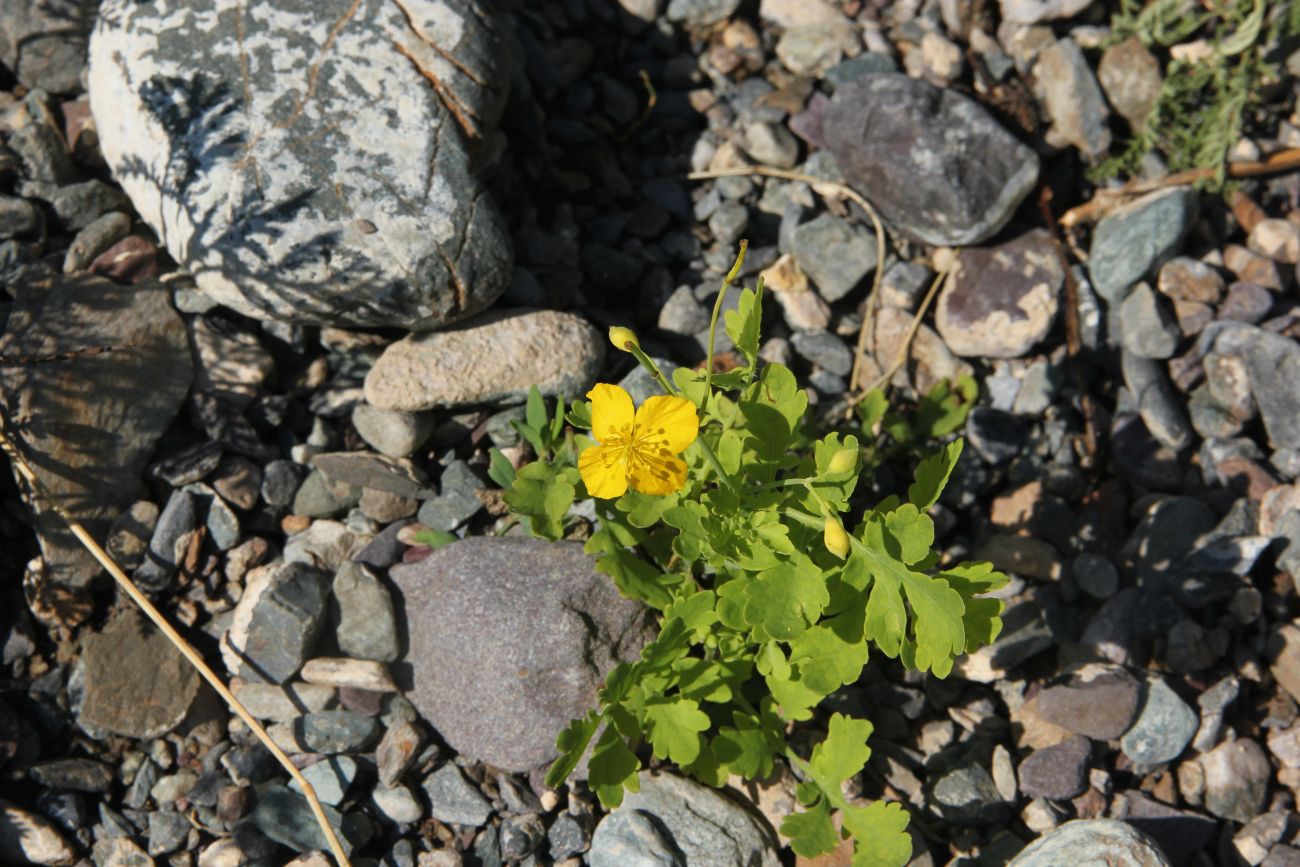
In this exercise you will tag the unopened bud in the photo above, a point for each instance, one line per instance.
(837, 541)
(843, 461)
(623, 338)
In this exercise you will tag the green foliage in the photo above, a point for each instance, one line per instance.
(1203, 102)
(759, 622)
(939, 413)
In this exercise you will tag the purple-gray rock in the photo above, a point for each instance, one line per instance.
(1057, 772)
(91, 422)
(1001, 300)
(936, 164)
(510, 638)
(1102, 708)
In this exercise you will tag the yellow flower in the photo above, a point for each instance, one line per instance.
(623, 338)
(636, 449)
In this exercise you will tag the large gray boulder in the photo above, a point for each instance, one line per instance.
(936, 164)
(311, 162)
(509, 640)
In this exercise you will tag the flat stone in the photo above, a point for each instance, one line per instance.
(96, 237)
(330, 778)
(694, 823)
(1156, 400)
(366, 470)
(1284, 657)
(492, 359)
(473, 610)
(43, 42)
(1073, 100)
(335, 731)
(397, 804)
(395, 434)
(81, 775)
(119, 852)
(1273, 362)
(1237, 775)
(1001, 300)
(824, 349)
(355, 673)
(33, 838)
(397, 749)
(367, 628)
(285, 816)
(282, 702)
(1130, 75)
(1034, 11)
(1164, 726)
(967, 795)
(1185, 279)
(835, 255)
(452, 798)
(168, 832)
(1277, 239)
(1092, 843)
(1102, 708)
(136, 684)
(233, 364)
(936, 164)
(1148, 328)
(118, 403)
(276, 622)
(1057, 772)
(328, 177)
(1138, 237)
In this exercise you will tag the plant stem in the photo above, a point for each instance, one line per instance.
(713, 320)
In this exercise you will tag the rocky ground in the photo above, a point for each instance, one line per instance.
(206, 356)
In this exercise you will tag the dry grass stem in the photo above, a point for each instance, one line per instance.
(187, 650)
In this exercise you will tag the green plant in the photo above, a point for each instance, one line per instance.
(1203, 103)
(768, 604)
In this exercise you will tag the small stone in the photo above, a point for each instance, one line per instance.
(521, 835)
(996, 435)
(835, 255)
(78, 205)
(1148, 326)
(329, 778)
(136, 683)
(1254, 841)
(1279, 240)
(634, 839)
(286, 817)
(94, 239)
(119, 852)
(367, 628)
(398, 804)
(1246, 302)
(1251, 267)
(1130, 75)
(1137, 237)
(276, 622)
(281, 480)
(999, 301)
(458, 500)
(173, 787)
(238, 480)
(698, 14)
(32, 838)
(1057, 772)
(335, 731)
(1034, 11)
(769, 144)
(453, 799)
(232, 363)
(1092, 841)
(81, 775)
(1072, 99)
(682, 314)
(1095, 575)
(356, 673)
(494, 358)
(392, 433)
(1102, 708)
(128, 539)
(966, 795)
(395, 476)
(398, 748)
(825, 350)
(1237, 774)
(168, 832)
(570, 835)
(1184, 279)
(1284, 657)
(282, 702)
(1284, 745)
(1156, 401)
(1163, 728)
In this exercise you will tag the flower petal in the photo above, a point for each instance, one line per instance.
(657, 474)
(604, 470)
(668, 422)
(611, 413)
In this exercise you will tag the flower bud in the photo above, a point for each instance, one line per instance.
(623, 338)
(843, 461)
(837, 541)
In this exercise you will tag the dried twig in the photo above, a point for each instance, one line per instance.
(1105, 200)
(187, 650)
(869, 308)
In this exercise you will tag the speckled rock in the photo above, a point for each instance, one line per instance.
(936, 164)
(1001, 300)
(91, 422)
(494, 358)
(1092, 843)
(315, 167)
(477, 612)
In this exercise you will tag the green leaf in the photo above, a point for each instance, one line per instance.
(784, 600)
(542, 492)
(794, 697)
(644, 510)
(707, 768)
(843, 754)
(535, 411)
(710, 680)
(500, 470)
(692, 384)
(674, 726)
(580, 414)
(825, 660)
(871, 410)
(983, 617)
(748, 746)
(932, 475)
(418, 534)
(743, 324)
(880, 832)
(696, 612)
(911, 532)
(811, 832)
(634, 577)
(612, 768)
(572, 743)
